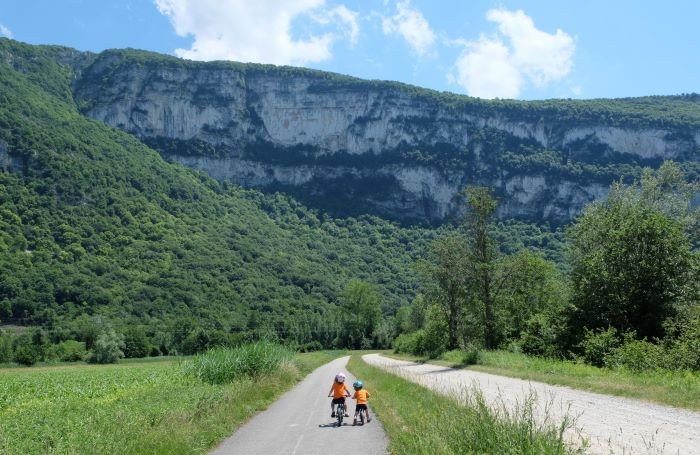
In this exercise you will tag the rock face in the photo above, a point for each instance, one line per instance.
(8, 162)
(354, 146)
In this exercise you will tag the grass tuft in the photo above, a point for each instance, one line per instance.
(224, 365)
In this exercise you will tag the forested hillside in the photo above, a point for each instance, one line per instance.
(96, 228)
(98, 232)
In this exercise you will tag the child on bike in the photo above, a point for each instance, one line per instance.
(361, 395)
(339, 390)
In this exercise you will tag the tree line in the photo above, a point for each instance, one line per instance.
(629, 295)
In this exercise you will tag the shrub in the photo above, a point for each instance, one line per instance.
(410, 343)
(540, 337)
(68, 351)
(223, 365)
(635, 355)
(471, 354)
(26, 352)
(596, 346)
(436, 333)
(108, 348)
(136, 343)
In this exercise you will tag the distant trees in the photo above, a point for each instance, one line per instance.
(361, 314)
(108, 348)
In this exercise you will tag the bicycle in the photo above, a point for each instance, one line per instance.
(340, 413)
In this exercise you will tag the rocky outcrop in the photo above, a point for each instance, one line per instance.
(311, 132)
(8, 162)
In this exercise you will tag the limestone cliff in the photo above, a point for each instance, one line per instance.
(355, 146)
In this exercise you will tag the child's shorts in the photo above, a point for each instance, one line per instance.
(360, 407)
(338, 400)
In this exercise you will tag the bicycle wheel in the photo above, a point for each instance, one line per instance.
(362, 418)
(340, 413)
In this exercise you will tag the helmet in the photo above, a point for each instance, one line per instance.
(357, 385)
(340, 377)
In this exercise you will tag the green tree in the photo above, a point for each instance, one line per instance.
(360, 303)
(630, 260)
(108, 348)
(446, 270)
(483, 257)
(532, 286)
(136, 343)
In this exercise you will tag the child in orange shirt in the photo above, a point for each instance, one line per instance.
(361, 395)
(339, 390)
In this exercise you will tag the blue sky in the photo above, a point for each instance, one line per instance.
(487, 48)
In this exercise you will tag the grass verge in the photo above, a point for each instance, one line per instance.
(679, 389)
(132, 408)
(419, 421)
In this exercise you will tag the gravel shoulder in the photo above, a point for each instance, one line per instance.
(610, 424)
(300, 423)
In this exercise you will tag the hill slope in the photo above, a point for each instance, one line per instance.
(95, 226)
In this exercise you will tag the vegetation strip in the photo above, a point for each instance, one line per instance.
(419, 421)
(673, 388)
(148, 407)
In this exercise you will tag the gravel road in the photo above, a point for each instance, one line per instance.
(610, 424)
(300, 423)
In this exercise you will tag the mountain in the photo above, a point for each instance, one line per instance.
(352, 146)
(96, 228)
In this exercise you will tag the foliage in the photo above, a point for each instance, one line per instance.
(68, 351)
(445, 271)
(630, 261)
(635, 355)
(108, 348)
(96, 229)
(224, 365)
(361, 314)
(598, 345)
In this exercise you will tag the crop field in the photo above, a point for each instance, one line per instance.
(130, 408)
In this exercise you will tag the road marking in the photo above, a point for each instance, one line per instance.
(296, 447)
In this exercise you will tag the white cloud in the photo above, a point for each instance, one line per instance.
(412, 26)
(259, 30)
(500, 65)
(4, 31)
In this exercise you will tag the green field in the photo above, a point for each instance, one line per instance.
(139, 407)
(674, 388)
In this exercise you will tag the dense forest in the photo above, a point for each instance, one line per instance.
(102, 241)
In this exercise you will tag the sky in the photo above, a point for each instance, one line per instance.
(491, 49)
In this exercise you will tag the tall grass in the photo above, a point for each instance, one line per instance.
(224, 365)
(419, 421)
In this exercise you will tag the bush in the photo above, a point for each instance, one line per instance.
(596, 346)
(436, 333)
(410, 343)
(108, 348)
(136, 343)
(26, 352)
(68, 351)
(636, 355)
(471, 354)
(223, 365)
(540, 337)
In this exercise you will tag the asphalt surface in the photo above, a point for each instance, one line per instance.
(611, 425)
(300, 423)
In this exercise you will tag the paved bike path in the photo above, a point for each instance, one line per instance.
(300, 423)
